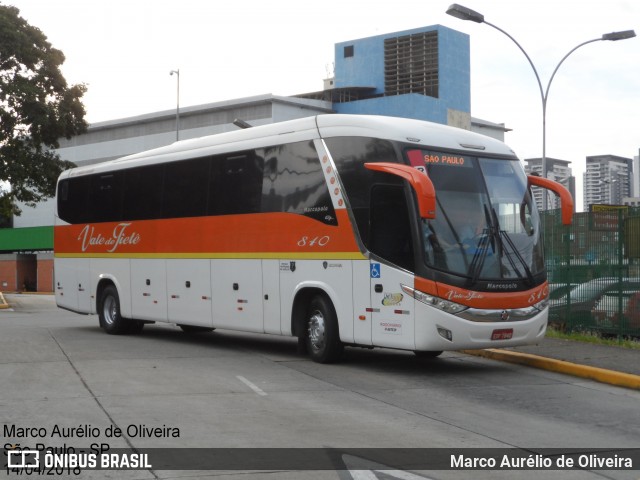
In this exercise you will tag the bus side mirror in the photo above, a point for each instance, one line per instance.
(566, 201)
(419, 181)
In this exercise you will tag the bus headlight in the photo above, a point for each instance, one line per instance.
(432, 301)
(542, 305)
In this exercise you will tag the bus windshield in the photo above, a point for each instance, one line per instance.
(486, 227)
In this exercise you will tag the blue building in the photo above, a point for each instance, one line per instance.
(422, 73)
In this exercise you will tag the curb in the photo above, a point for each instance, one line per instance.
(602, 375)
(3, 302)
(31, 293)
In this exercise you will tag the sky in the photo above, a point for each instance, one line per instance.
(124, 50)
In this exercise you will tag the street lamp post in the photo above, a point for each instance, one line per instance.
(177, 72)
(465, 13)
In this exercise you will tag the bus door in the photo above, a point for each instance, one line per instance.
(391, 266)
(271, 296)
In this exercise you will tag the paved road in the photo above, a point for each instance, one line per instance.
(227, 389)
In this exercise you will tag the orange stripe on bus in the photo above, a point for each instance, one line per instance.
(427, 286)
(485, 300)
(268, 233)
(503, 300)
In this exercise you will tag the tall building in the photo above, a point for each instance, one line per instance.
(557, 170)
(634, 199)
(636, 176)
(607, 180)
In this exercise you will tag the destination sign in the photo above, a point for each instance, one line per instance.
(420, 158)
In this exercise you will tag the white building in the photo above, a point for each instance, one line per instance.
(557, 170)
(607, 180)
(634, 200)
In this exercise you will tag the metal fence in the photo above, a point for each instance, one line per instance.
(593, 269)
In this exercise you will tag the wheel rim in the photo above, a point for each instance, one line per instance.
(110, 310)
(316, 331)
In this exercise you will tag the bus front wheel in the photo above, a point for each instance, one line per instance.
(322, 334)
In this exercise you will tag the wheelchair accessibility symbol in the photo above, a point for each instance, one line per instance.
(375, 270)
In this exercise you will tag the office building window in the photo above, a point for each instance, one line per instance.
(411, 64)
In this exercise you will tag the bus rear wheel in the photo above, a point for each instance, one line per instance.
(111, 319)
(321, 331)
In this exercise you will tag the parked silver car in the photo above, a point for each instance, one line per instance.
(575, 308)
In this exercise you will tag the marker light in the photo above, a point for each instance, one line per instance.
(445, 333)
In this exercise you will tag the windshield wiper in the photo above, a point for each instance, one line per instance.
(490, 236)
(522, 261)
(502, 234)
(480, 255)
(497, 238)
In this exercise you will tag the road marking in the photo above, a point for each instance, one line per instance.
(371, 475)
(368, 470)
(363, 475)
(253, 387)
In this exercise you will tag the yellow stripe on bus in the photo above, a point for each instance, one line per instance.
(246, 255)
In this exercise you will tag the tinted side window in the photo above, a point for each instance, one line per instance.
(350, 154)
(142, 193)
(294, 182)
(185, 188)
(106, 197)
(390, 227)
(235, 184)
(73, 199)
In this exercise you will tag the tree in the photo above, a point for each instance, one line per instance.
(37, 108)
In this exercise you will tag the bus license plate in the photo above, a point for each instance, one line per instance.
(502, 334)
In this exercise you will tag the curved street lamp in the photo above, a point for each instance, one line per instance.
(465, 13)
(177, 72)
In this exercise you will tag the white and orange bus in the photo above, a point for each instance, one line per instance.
(337, 229)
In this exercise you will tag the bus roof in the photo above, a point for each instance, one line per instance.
(410, 130)
(422, 133)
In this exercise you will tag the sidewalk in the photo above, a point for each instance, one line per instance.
(606, 364)
(603, 356)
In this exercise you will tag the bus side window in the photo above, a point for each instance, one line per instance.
(389, 226)
(185, 188)
(73, 199)
(294, 182)
(106, 197)
(235, 185)
(143, 192)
